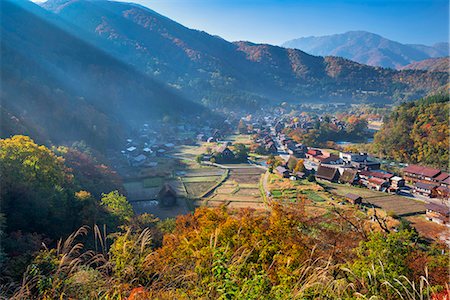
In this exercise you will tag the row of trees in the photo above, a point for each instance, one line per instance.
(355, 130)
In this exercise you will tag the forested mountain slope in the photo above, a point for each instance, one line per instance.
(213, 71)
(417, 132)
(57, 87)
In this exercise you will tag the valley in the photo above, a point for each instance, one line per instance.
(141, 158)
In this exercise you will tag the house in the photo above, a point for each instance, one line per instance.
(131, 149)
(366, 165)
(353, 157)
(397, 182)
(349, 176)
(279, 127)
(312, 153)
(167, 196)
(442, 192)
(224, 153)
(270, 147)
(425, 189)
(330, 159)
(377, 184)
(437, 213)
(282, 171)
(416, 173)
(327, 173)
(353, 199)
(138, 160)
(442, 179)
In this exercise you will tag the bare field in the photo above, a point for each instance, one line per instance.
(401, 206)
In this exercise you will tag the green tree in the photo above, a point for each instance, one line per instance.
(117, 205)
(241, 152)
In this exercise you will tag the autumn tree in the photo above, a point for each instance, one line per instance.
(117, 205)
(299, 166)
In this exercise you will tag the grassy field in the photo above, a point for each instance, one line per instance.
(245, 139)
(196, 189)
(200, 179)
(343, 189)
(152, 182)
(314, 196)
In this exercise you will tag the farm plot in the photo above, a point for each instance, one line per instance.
(401, 206)
(342, 190)
(240, 190)
(199, 181)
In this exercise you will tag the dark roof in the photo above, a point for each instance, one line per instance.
(353, 196)
(425, 186)
(442, 209)
(421, 170)
(222, 148)
(167, 189)
(326, 172)
(348, 175)
(443, 176)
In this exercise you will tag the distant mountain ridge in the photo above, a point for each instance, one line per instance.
(368, 48)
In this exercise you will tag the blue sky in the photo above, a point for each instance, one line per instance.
(275, 21)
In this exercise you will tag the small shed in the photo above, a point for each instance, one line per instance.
(353, 198)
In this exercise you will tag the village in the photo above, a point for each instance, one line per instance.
(250, 161)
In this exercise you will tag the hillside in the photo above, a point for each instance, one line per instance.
(368, 48)
(215, 72)
(440, 64)
(417, 132)
(292, 250)
(59, 88)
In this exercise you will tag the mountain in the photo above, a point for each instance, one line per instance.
(58, 88)
(440, 64)
(368, 48)
(215, 72)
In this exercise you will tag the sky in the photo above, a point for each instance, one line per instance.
(276, 21)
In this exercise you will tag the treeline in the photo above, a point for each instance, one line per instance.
(354, 129)
(417, 132)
